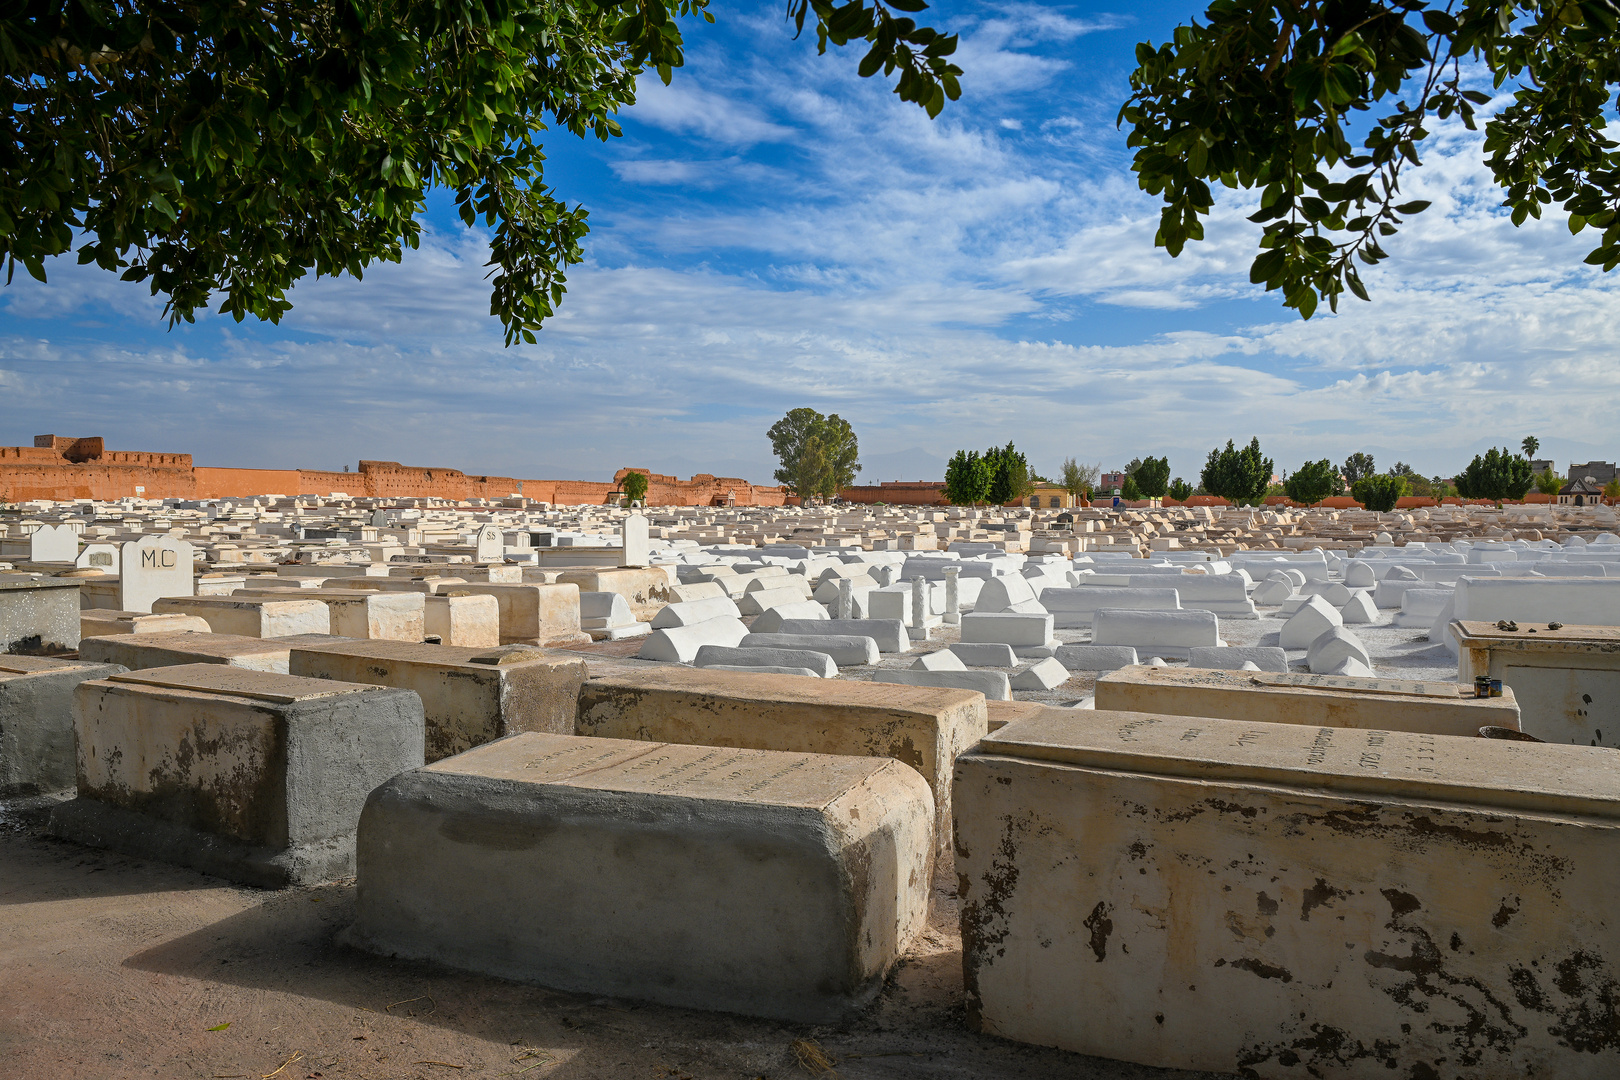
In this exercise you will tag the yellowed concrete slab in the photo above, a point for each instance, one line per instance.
(1315, 700)
(924, 727)
(469, 696)
(1288, 901)
(757, 882)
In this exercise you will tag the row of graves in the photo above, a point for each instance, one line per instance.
(719, 758)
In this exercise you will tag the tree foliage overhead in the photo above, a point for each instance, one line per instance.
(1152, 476)
(1261, 95)
(1497, 474)
(1239, 476)
(1379, 493)
(1313, 481)
(225, 150)
(819, 455)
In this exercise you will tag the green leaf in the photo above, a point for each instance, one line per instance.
(1439, 22)
(220, 1027)
(1416, 207)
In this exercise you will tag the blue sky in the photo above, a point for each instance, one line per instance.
(773, 231)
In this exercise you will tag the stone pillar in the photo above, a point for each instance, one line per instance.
(846, 599)
(919, 602)
(953, 603)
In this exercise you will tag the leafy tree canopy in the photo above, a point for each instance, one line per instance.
(1401, 468)
(1497, 474)
(1312, 482)
(1009, 475)
(1077, 479)
(1548, 482)
(1379, 493)
(1357, 466)
(226, 150)
(1239, 476)
(1530, 445)
(1180, 490)
(1261, 95)
(967, 479)
(1152, 476)
(1130, 490)
(635, 486)
(819, 455)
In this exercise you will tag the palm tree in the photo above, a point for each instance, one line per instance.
(1531, 444)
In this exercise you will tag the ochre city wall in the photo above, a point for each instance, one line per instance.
(898, 493)
(63, 469)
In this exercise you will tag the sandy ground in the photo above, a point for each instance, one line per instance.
(112, 967)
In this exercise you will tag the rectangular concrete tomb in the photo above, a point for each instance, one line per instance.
(1339, 701)
(469, 696)
(248, 775)
(39, 616)
(1286, 901)
(36, 722)
(171, 648)
(773, 884)
(924, 727)
(364, 613)
(249, 616)
(1566, 681)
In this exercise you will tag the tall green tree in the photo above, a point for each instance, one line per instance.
(1239, 476)
(1130, 490)
(967, 479)
(1152, 476)
(1530, 445)
(819, 455)
(1009, 475)
(1313, 481)
(635, 486)
(1180, 490)
(1265, 95)
(1496, 474)
(1358, 466)
(1077, 479)
(1379, 493)
(225, 150)
(1548, 482)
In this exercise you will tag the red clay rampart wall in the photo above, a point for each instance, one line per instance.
(898, 493)
(63, 469)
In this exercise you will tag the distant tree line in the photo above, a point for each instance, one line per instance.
(1243, 475)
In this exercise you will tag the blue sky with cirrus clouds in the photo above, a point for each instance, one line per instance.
(773, 231)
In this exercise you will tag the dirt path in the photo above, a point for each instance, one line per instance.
(112, 967)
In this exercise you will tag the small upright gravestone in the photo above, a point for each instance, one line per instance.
(103, 557)
(491, 545)
(637, 550)
(151, 568)
(53, 543)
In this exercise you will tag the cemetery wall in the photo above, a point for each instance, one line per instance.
(28, 472)
(898, 493)
(63, 469)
